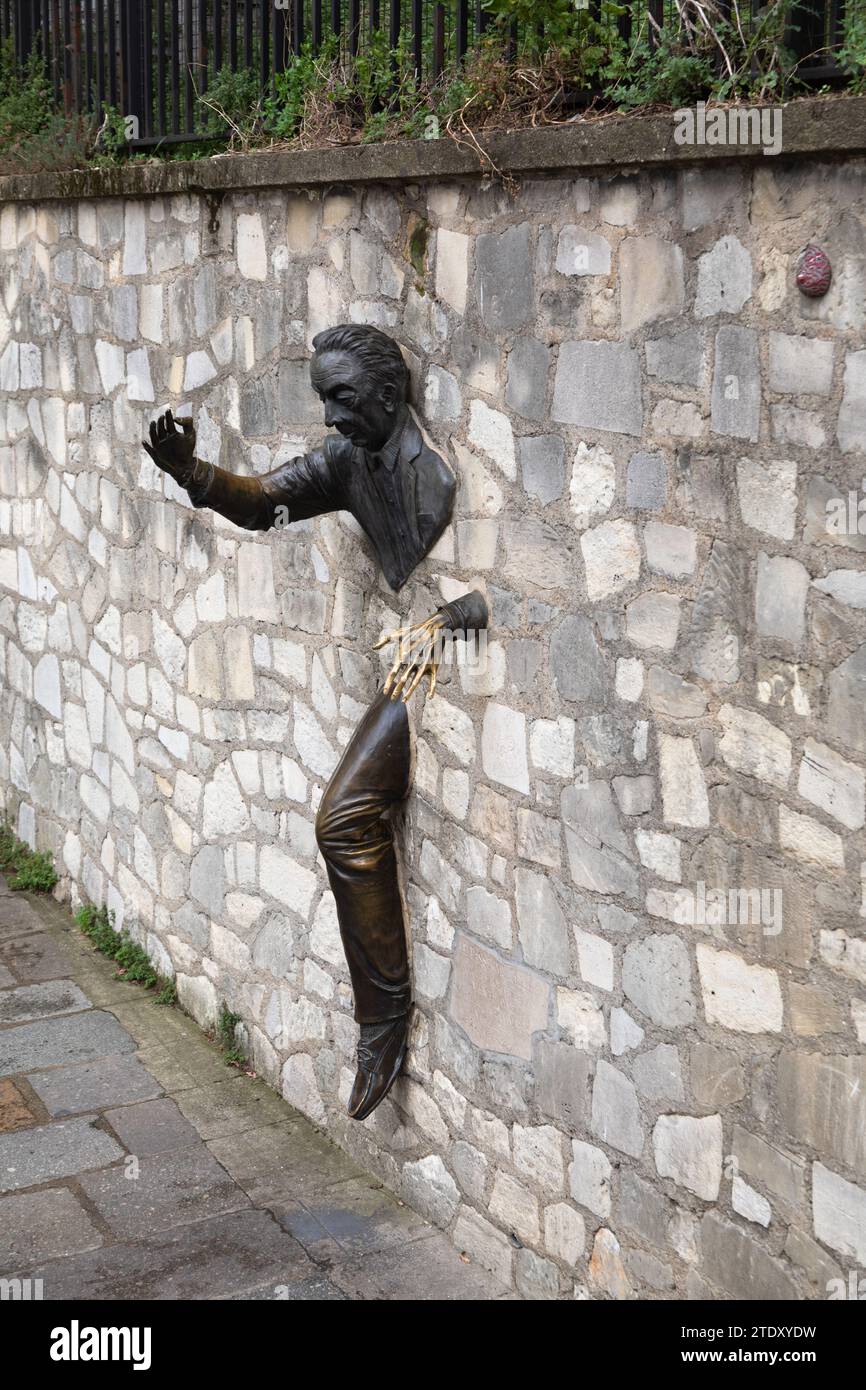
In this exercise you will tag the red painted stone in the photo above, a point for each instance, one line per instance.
(814, 272)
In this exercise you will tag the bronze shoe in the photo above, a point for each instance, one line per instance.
(381, 1049)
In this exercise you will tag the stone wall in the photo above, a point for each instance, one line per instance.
(622, 1082)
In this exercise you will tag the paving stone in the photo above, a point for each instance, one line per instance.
(15, 1112)
(153, 1126)
(422, 1271)
(32, 1156)
(315, 1289)
(18, 918)
(58, 1041)
(282, 1162)
(69, 1090)
(37, 1226)
(31, 959)
(201, 1260)
(166, 1191)
(231, 1107)
(41, 1001)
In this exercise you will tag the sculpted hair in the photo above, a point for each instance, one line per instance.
(378, 354)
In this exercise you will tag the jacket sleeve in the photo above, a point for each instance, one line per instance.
(468, 613)
(304, 486)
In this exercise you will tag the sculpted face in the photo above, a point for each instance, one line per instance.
(363, 414)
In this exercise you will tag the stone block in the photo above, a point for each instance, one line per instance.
(526, 385)
(598, 386)
(499, 1006)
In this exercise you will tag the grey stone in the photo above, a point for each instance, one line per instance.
(542, 463)
(577, 662)
(780, 597)
(822, 1101)
(598, 848)
(470, 1168)
(430, 1189)
(781, 1173)
(598, 385)
(298, 402)
(678, 358)
(724, 278)
(206, 1259)
(59, 1041)
(736, 395)
(526, 386)
(523, 660)
(651, 281)
(657, 1074)
(852, 412)
(737, 1264)
(847, 700)
(94, 1085)
(656, 977)
(41, 1001)
(643, 1210)
(36, 1226)
(646, 484)
(504, 278)
(536, 1277)
(616, 1111)
(542, 928)
(170, 1189)
(562, 1075)
(649, 1270)
(58, 1150)
(634, 794)
(257, 407)
(800, 366)
(717, 1076)
(670, 695)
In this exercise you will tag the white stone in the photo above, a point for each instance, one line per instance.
(490, 431)
(503, 747)
(611, 554)
(684, 791)
(581, 1018)
(452, 727)
(833, 784)
(689, 1152)
(452, 263)
(629, 678)
(749, 1203)
(538, 1154)
(839, 1212)
(589, 1177)
(595, 956)
(745, 998)
(768, 496)
(551, 745)
(751, 744)
(252, 251)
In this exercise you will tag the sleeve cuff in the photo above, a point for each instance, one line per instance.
(469, 613)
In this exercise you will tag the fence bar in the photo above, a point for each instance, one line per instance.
(217, 35)
(160, 67)
(462, 29)
(418, 36)
(316, 35)
(298, 25)
(374, 16)
(202, 45)
(438, 54)
(112, 54)
(100, 55)
(248, 35)
(394, 25)
(175, 66)
(264, 55)
(233, 35)
(354, 26)
(188, 61)
(336, 16)
(281, 35)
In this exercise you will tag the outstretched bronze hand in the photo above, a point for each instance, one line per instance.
(418, 654)
(171, 450)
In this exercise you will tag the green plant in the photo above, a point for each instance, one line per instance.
(852, 51)
(133, 963)
(29, 870)
(233, 100)
(226, 1036)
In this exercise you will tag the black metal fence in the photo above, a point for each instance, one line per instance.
(152, 59)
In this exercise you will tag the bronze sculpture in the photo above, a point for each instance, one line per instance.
(401, 492)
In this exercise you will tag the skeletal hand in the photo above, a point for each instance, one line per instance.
(170, 450)
(418, 654)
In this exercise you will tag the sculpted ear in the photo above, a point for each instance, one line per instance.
(388, 396)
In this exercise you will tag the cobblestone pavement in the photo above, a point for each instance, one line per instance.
(135, 1164)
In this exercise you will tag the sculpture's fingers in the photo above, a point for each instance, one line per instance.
(154, 435)
(389, 637)
(186, 421)
(406, 671)
(169, 419)
(433, 674)
(413, 686)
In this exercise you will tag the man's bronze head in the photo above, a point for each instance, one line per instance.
(361, 378)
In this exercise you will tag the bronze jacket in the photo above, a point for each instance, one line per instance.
(403, 514)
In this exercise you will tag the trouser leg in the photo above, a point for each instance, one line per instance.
(358, 848)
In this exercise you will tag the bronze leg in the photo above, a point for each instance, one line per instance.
(358, 848)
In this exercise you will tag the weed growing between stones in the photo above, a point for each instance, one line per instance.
(133, 963)
(27, 869)
(226, 1036)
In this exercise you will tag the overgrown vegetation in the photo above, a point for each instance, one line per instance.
(25, 868)
(567, 62)
(133, 963)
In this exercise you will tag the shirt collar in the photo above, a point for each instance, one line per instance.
(390, 450)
